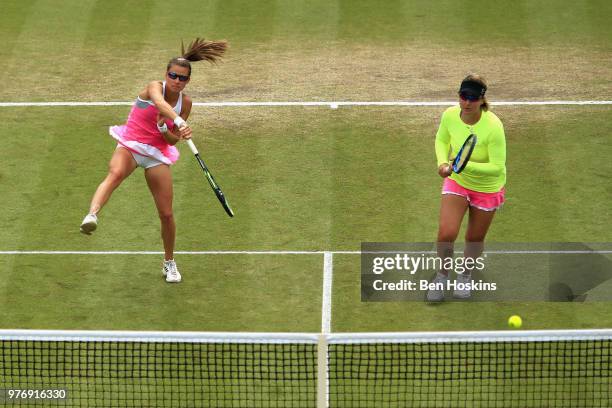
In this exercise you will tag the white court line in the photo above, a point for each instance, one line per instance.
(309, 103)
(284, 252)
(161, 252)
(328, 267)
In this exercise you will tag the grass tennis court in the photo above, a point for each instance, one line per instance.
(299, 178)
(330, 193)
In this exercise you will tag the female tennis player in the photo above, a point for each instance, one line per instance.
(155, 124)
(479, 188)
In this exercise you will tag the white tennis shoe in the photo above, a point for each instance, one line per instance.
(462, 290)
(89, 224)
(436, 294)
(171, 272)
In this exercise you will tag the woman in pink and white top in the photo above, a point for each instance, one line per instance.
(155, 124)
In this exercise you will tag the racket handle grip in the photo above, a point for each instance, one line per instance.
(192, 146)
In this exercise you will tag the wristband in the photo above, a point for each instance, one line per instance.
(179, 122)
(163, 128)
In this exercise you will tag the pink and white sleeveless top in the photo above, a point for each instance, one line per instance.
(140, 134)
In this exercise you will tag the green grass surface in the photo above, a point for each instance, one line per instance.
(341, 178)
(127, 292)
(338, 178)
(357, 50)
(298, 178)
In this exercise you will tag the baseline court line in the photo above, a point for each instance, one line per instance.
(283, 252)
(331, 104)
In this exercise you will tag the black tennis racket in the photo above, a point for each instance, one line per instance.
(462, 158)
(216, 188)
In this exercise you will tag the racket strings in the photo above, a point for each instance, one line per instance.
(464, 153)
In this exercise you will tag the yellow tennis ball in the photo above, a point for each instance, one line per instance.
(515, 322)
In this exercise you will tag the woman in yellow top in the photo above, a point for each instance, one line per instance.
(479, 188)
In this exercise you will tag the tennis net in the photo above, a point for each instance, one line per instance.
(174, 369)
(471, 369)
(157, 369)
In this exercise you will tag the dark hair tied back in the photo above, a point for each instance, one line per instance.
(199, 50)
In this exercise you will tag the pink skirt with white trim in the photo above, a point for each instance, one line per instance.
(482, 201)
(169, 156)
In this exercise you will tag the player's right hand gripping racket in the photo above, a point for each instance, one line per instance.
(462, 158)
(216, 188)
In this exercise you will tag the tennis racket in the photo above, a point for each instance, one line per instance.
(462, 158)
(216, 188)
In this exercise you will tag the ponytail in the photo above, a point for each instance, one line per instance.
(199, 50)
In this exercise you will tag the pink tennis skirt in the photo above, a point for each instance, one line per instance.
(482, 201)
(169, 155)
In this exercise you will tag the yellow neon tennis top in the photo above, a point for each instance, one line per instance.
(486, 170)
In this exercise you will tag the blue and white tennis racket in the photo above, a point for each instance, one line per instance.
(462, 158)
